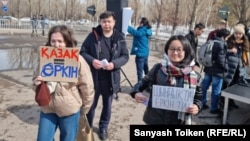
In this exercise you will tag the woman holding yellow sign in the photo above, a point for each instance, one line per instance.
(172, 97)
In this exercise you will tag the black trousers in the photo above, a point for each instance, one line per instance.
(104, 90)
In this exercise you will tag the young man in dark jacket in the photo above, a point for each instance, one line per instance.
(192, 36)
(106, 52)
(216, 72)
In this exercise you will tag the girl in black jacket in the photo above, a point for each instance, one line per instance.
(176, 70)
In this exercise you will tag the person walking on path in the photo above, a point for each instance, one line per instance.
(69, 100)
(42, 24)
(192, 36)
(34, 24)
(105, 51)
(140, 46)
(176, 70)
(214, 75)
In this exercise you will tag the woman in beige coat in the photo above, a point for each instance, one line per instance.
(69, 100)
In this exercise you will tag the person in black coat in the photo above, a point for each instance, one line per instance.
(214, 75)
(192, 36)
(237, 58)
(175, 71)
(106, 52)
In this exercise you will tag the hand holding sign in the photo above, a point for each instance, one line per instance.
(140, 98)
(38, 80)
(193, 109)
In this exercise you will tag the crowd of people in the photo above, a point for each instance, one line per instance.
(104, 52)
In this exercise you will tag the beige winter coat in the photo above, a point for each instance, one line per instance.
(68, 98)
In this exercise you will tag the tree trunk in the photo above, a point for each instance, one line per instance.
(72, 10)
(159, 17)
(209, 9)
(56, 10)
(194, 15)
(30, 7)
(177, 5)
(66, 9)
(18, 9)
(39, 7)
(242, 11)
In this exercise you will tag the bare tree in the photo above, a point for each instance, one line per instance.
(240, 9)
(66, 10)
(136, 5)
(157, 8)
(30, 7)
(173, 12)
(74, 6)
(194, 14)
(175, 18)
(209, 8)
(40, 5)
(56, 5)
(18, 9)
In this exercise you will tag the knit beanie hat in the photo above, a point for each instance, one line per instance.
(239, 28)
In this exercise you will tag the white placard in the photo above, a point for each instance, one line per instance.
(172, 98)
(127, 13)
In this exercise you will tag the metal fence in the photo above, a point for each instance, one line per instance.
(6, 24)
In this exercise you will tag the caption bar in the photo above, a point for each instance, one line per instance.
(155, 132)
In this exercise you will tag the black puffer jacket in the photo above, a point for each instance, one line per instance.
(120, 55)
(234, 62)
(219, 52)
(153, 116)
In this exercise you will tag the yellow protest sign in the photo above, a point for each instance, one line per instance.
(59, 64)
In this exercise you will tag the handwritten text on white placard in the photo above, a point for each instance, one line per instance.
(172, 98)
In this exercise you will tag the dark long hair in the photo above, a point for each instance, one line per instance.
(189, 53)
(67, 34)
(144, 22)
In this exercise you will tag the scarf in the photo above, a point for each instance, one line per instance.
(173, 72)
(245, 56)
(189, 76)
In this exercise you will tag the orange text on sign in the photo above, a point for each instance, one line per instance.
(59, 53)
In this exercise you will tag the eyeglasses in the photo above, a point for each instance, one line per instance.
(178, 50)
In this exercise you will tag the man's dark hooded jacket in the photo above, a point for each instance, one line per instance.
(119, 54)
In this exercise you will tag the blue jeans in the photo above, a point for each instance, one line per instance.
(141, 65)
(49, 122)
(216, 90)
